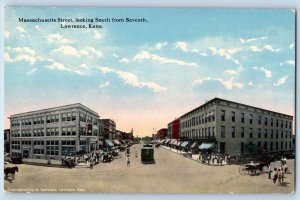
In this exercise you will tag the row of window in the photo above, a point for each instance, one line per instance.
(200, 133)
(288, 134)
(71, 116)
(201, 119)
(271, 147)
(265, 122)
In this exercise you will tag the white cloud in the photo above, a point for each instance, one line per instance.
(290, 62)
(203, 54)
(31, 71)
(7, 58)
(20, 29)
(255, 49)
(250, 83)
(226, 53)
(37, 27)
(291, 46)
(67, 50)
(232, 72)
(160, 45)
(281, 81)
(145, 55)
(195, 50)
(181, 45)
(131, 79)
(124, 60)
(58, 38)
(103, 85)
(270, 48)
(85, 66)
(25, 50)
(97, 35)
(268, 73)
(115, 55)
(58, 66)
(89, 51)
(6, 34)
(27, 58)
(228, 84)
(244, 41)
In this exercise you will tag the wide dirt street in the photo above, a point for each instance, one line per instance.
(172, 173)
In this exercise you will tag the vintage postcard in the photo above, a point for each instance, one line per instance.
(149, 100)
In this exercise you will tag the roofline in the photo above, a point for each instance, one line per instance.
(214, 99)
(52, 108)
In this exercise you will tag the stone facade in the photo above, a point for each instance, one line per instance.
(54, 132)
(238, 128)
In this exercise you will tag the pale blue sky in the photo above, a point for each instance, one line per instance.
(143, 75)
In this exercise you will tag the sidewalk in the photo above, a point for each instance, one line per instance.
(194, 157)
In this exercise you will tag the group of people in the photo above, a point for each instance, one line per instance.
(212, 158)
(278, 174)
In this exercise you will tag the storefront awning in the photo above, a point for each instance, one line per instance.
(168, 141)
(108, 143)
(194, 145)
(178, 143)
(174, 141)
(206, 146)
(184, 144)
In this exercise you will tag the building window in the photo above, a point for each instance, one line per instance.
(276, 145)
(69, 116)
(266, 146)
(39, 151)
(281, 134)
(271, 146)
(222, 115)
(38, 132)
(242, 147)
(52, 148)
(251, 133)
(250, 119)
(259, 133)
(233, 132)
(242, 132)
(266, 121)
(266, 133)
(233, 117)
(272, 134)
(281, 124)
(213, 131)
(259, 120)
(243, 117)
(222, 131)
(38, 143)
(271, 121)
(276, 122)
(213, 116)
(286, 124)
(281, 145)
(52, 132)
(290, 124)
(276, 134)
(74, 116)
(64, 117)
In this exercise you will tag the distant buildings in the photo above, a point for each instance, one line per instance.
(161, 134)
(108, 129)
(233, 127)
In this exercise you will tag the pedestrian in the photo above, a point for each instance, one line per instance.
(128, 163)
(221, 160)
(282, 174)
(278, 181)
(275, 175)
(269, 171)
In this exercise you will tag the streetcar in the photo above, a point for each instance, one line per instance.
(147, 154)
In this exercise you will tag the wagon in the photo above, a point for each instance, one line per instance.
(254, 168)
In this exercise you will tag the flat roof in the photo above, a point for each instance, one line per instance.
(215, 99)
(54, 108)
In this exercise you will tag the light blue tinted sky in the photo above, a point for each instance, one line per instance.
(143, 75)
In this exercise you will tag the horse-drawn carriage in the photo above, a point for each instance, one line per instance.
(254, 168)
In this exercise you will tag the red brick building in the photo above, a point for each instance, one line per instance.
(174, 129)
(162, 133)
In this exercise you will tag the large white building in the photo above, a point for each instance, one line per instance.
(54, 132)
(233, 127)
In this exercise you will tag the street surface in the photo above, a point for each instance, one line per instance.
(172, 173)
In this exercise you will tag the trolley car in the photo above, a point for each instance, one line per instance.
(147, 154)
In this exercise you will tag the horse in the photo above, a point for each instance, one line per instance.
(12, 171)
